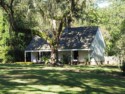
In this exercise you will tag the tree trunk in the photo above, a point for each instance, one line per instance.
(54, 56)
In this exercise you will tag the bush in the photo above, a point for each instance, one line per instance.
(12, 55)
(45, 59)
(123, 67)
(8, 59)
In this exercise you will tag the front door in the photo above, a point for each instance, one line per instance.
(75, 54)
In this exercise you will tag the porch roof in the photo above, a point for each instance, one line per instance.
(58, 50)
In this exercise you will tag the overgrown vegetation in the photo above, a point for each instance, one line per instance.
(12, 44)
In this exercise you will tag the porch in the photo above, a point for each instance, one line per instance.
(67, 56)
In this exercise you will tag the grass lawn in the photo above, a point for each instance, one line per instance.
(39, 79)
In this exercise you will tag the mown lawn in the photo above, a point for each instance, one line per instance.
(39, 79)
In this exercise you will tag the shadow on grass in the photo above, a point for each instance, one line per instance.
(19, 66)
(23, 81)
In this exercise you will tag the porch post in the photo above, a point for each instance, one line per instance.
(88, 56)
(71, 57)
(25, 56)
(39, 55)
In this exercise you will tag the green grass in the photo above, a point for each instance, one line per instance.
(39, 79)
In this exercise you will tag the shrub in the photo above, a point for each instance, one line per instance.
(45, 59)
(8, 59)
(123, 67)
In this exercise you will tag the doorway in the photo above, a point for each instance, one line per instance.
(75, 54)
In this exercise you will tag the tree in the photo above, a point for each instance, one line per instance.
(49, 17)
(53, 17)
(7, 6)
(111, 21)
(120, 43)
(18, 32)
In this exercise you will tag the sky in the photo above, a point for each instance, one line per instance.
(103, 4)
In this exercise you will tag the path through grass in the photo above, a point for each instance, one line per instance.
(38, 79)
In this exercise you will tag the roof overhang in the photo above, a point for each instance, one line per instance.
(58, 50)
(74, 49)
(37, 50)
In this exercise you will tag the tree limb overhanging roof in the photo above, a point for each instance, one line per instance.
(72, 38)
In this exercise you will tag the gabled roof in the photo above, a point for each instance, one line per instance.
(78, 37)
(72, 38)
(38, 43)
